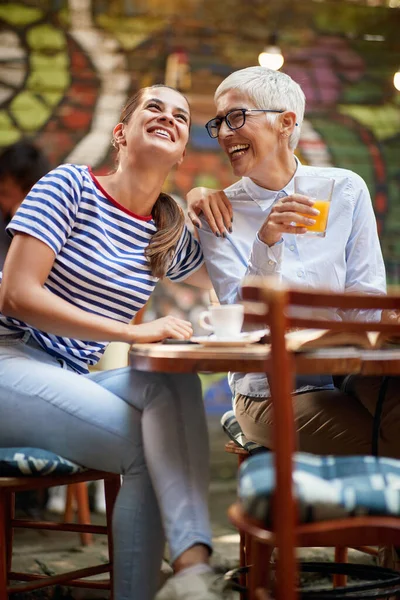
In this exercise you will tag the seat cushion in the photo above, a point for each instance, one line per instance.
(15, 462)
(232, 429)
(326, 487)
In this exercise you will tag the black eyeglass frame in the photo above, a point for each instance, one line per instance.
(243, 111)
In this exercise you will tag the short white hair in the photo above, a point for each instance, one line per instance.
(268, 89)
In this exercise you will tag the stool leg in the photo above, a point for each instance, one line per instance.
(82, 504)
(111, 488)
(69, 504)
(260, 571)
(244, 551)
(242, 563)
(4, 514)
(10, 508)
(341, 556)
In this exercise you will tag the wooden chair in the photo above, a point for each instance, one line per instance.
(8, 487)
(341, 553)
(272, 304)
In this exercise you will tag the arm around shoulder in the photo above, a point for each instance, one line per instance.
(213, 205)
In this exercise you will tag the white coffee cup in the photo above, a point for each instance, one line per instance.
(225, 320)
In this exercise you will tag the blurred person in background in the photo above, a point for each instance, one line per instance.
(21, 165)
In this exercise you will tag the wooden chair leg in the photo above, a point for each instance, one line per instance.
(341, 556)
(242, 563)
(82, 507)
(69, 504)
(111, 489)
(4, 513)
(10, 509)
(244, 549)
(259, 574)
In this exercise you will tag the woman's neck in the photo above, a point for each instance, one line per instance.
(277, 172)
(136, 189)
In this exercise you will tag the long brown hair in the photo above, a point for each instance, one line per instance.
(168, 216)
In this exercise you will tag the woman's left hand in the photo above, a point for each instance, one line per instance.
(160, 329)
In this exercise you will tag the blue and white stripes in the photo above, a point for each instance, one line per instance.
(99, 247)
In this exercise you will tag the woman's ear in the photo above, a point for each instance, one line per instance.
(119, 134)
(180, 161)
(288, 123)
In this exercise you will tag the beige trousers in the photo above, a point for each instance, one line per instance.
(331, 421)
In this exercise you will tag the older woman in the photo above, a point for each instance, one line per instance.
(86, 254)
(259, 117)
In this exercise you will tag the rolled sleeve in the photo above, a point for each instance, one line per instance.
(265, 260)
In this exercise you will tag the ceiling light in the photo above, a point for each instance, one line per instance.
(271, 57)
(396, 80)
(374, 38)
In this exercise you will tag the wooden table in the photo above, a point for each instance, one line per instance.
(254, 358)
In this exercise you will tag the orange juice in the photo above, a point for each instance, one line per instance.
(321, 219)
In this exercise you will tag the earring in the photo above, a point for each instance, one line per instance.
(114, 143)
(285, 135)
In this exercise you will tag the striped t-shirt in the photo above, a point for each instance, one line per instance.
(100, 264)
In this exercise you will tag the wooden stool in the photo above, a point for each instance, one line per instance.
(8, 487)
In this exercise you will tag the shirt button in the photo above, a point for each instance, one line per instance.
(271, 262)
(292, 248)
(300, 274)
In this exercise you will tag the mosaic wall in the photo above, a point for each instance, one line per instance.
(66, 68)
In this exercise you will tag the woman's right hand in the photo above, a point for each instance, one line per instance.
(214, 205)
(161, 329)
(289, 215)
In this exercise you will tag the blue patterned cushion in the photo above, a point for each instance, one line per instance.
(15, 462)
(233, 430)
(327, 487)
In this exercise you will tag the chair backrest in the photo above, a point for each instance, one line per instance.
(261, 294)
(270, 303)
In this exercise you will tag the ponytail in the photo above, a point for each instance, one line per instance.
(170, 221)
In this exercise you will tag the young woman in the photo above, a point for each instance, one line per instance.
(85, 257)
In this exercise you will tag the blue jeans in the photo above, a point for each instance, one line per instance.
(149, 427)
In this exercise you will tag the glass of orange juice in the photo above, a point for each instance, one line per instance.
(320, 190)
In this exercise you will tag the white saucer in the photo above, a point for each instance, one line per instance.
(244, 339)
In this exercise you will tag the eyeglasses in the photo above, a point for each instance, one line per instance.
(235, 119)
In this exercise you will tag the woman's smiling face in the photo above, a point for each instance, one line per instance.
(249, 147)
(159, 124)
